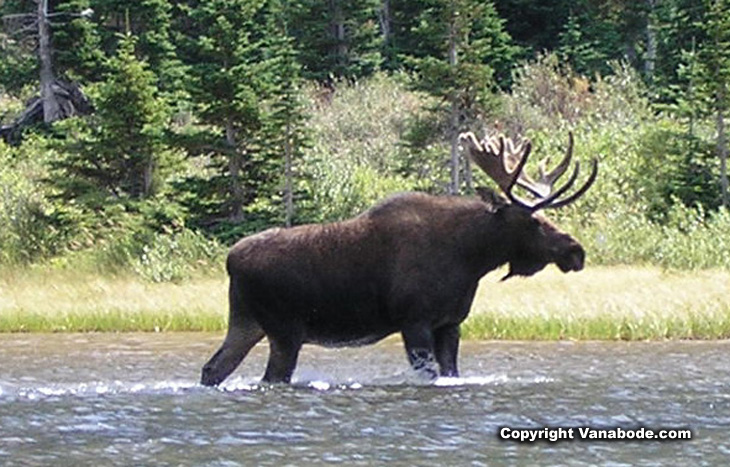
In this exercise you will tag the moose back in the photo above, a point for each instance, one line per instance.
(410, 264)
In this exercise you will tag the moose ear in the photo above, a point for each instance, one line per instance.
(492, 198)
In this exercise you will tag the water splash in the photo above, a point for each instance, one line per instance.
(250, 384)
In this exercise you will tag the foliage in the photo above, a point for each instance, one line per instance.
(120, 152)
(462, 44)
(355, 147)
(335, 39)
(27, 232)
(204, 127)
(582, 54)
(235, 51)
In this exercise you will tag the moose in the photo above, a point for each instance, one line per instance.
(410, 264)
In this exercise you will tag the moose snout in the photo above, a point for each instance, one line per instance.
(572, 259)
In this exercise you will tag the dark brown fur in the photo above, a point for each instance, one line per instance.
(411, 264)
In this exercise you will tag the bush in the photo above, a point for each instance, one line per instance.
(174, 257)
(656, 187)
(27, 232)
(356, 133)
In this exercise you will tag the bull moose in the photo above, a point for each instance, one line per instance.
(410, 264)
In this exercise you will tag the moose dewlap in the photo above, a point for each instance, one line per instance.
(410, 264)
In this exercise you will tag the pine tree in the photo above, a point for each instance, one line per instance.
(467, 42)
(122, 146)
(287, 117)
(336, 38)
(715, 78)
(232, 65)
(584, 56)
(77, 43)
(701, 92)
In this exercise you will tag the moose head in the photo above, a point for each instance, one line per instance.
(535, 241)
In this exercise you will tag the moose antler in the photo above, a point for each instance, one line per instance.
(504, 160)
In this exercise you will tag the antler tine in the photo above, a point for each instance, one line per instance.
(563, 166)
(517, 174)
(546, 202)
(515, 153)
(581, 190)
(543, 186)
(504, 161)
(489, 155)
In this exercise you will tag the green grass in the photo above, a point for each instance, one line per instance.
(606, 303)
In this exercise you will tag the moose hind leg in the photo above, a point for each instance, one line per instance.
(243, 333)
(419, 342)
(235, 347)
(446, 345)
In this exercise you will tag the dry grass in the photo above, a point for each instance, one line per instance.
(47, 302)
(598, 303)
(604, 303)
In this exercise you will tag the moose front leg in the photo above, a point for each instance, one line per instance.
(446, 345)
(418, 340)
(283, 354)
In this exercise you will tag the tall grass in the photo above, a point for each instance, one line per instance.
(66, 301)
(606, 303)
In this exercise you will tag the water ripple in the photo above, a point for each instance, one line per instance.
(143, 404)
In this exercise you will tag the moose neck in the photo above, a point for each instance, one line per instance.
(485, 242)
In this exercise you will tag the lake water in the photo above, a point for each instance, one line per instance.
(133, 399)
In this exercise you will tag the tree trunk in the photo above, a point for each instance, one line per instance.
(338, 31)
(385, 22)
(722, 150)
(289, 187)
(235, 163)
(651, 41)
(51, 109)
(454, 161)
(468, 176)
(148, 177)
(454, 124)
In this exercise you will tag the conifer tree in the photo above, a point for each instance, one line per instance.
(467, 42)
(336, 38)
(122, 146)
(287, 116)
(151, 21)
(715, 79)
(240, 67)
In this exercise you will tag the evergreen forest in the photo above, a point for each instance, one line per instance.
(145, 137)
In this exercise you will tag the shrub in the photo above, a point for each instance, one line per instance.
(27, 232)
(356, 134)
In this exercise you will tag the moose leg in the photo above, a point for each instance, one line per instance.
(243, 333)
(446, 345)
(283, 353)
(235, 347)
(418, 340)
